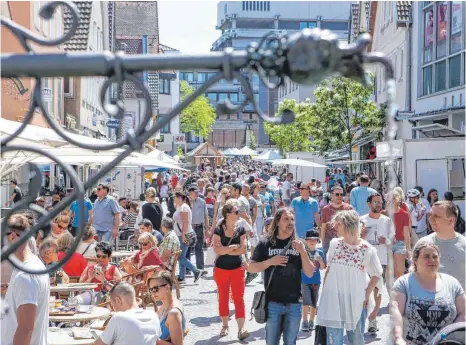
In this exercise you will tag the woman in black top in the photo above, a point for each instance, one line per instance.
(229, 243)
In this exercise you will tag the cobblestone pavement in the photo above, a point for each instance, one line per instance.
(200, 301)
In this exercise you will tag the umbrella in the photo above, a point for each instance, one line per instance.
(297, 162)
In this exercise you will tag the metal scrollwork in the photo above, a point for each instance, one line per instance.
(306, 58)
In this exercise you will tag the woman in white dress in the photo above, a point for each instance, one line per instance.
(347, 288)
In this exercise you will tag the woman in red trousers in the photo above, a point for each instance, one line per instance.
(229, 242)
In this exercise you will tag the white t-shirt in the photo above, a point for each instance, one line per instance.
(382, 226)
(164, 191)
(286, 186)
(24, 289)
(179, 223)
(134, 326)
(88, 253)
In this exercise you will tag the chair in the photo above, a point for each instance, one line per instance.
(74, 279)
(173, 272)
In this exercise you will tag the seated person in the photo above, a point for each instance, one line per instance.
(48, 252)
(103, 273)
(146, 226)
(87, 245)
(129, 323)
(76, 264)
(171, 314)
(170, 243)
(59, 226)
(149, 254)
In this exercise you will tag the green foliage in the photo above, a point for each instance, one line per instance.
(199, 116)
(180, 152)
(295, 136)
(252, 140)
(341, 105)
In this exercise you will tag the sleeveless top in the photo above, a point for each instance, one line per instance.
(165, 335)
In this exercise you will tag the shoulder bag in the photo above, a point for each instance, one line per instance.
(259, 303)
(191, 237)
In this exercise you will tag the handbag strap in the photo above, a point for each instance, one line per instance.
(275, 267)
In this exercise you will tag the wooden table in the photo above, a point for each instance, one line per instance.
(98, 313)
(64, 336)
(72, 288)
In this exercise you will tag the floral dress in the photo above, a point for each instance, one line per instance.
(344, 288)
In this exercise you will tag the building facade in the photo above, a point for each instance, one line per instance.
(83, 111)
(17, 92)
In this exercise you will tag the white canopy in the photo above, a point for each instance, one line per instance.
(161, 156)
(246, 151)
(268, 155)
(297, 162)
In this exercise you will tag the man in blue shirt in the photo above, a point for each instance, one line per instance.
(106, 217)
(269, 199)
(306, 211)
(74, 207)
(359, 195)
(310, 285)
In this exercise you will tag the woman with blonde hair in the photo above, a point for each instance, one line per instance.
(424, 301)
(400, 194)
(148, 254)
(349, 261)
(59, 226)
(87, 246)
(77, 263)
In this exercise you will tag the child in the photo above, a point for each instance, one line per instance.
(310, 285)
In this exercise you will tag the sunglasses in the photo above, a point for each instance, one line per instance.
(99, 188)
(235, 212)
(98, 256)
(144, 244)
(304, 188)
(62, 227)
(156, 288)
(338, 194)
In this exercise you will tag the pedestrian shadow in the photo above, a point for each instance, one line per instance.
(370, 338)
(216, 340)
(203, 321)
(256, 335)
(305, 335)
(208, 292)
(208, 278)
(382, 311)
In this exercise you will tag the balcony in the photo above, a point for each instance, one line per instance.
(243, 33)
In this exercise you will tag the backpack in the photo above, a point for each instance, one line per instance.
(460, 224)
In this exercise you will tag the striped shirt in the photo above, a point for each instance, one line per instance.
(130, 220)
(358, 199)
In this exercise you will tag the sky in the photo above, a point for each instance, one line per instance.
(189, 25)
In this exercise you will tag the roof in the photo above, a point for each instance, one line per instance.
(209, 152)
(403, 9)
(136, 18)
(79, 41)
(167, 48)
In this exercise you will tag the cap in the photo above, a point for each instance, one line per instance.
(193, 189)
(146, 222)
(312, 235)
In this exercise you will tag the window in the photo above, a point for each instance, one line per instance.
(256, 98)
(341, 26)
(442, 29)
(244, 5)
(234, 97)
(188, 76)
(401, 64)
(68, 87)
(164, 86)
(60, 106)
(427, 80)
(440, 76)
(304, 25)
(212, 96)
(36, 9)
(165, 129)
(222, 96)
(201, 77)
(428, 34)
(456, 27)
(455, 66)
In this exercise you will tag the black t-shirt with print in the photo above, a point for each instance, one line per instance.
(18, 195)
(229, 262)
(286, 281)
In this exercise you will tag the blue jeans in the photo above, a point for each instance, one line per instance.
(105, 236)
(283, 319)
(355, 337)
(184, 262)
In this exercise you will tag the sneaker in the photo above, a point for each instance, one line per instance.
(204, 273)
(197, 276)
(373, 326)
(305, 326)
(180, 280)
(311, 325)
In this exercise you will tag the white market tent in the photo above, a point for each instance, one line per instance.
(268, 155)
(297, 162)
(246, 151)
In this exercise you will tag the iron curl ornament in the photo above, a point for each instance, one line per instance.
(306, 57)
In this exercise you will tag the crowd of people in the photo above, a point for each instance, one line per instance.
(256, 220)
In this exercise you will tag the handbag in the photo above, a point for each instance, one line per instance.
(191, 237)
(320, 335)
(259, 303)
(211, 256)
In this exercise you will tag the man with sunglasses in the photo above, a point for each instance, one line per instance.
(27, 296)
(106, 216)
(306, 211)
(328, 231)
(129, 323)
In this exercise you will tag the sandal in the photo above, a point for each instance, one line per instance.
(224, 331)
(243, 334)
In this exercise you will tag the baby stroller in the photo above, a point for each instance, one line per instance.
(451, 335)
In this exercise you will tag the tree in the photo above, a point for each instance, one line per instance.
(199, 116)
(342, 105)
(293, 137)
(252, 140)
(180, 152)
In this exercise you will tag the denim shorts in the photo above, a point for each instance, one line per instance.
(399, 247)
(310, 294)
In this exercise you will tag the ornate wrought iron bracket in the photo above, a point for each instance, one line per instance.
(306, 57)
